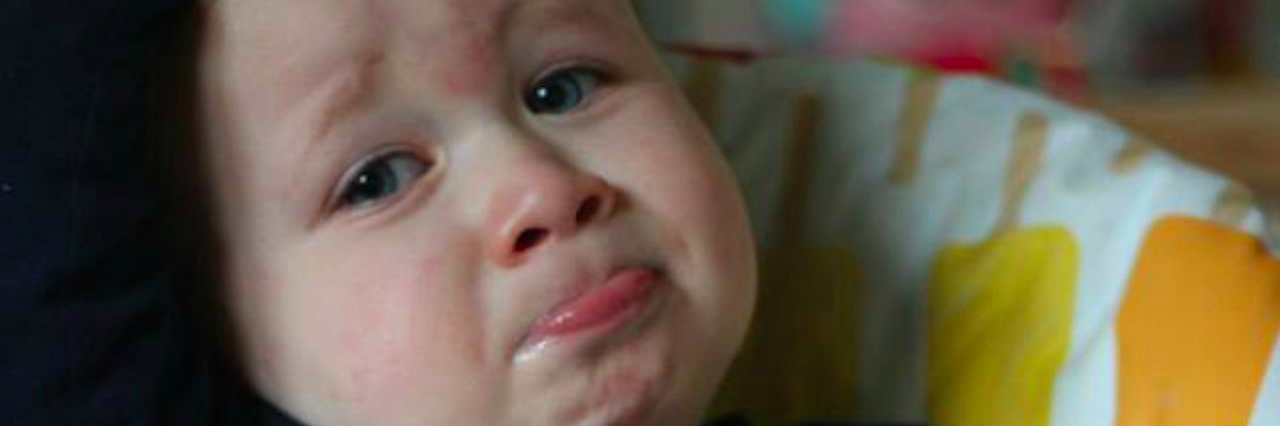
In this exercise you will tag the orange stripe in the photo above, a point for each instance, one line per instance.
(1196, 327)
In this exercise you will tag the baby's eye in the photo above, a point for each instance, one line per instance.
(381, 177)
(563, 90)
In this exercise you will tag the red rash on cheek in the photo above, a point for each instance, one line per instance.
(430, 267)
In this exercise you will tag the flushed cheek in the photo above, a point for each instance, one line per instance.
(698, 206)
(719, 253)
(694, 194)
(390, 335)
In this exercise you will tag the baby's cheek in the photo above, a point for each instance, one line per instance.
(696, 189)
(702, 204)
(395, 335)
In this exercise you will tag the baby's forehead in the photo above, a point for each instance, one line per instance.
(296, 27)
(288, 48)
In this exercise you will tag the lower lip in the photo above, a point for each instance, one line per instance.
(621, 295)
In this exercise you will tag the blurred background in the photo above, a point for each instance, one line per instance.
(1202, 77)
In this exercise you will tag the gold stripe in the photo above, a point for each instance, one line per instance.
(704, 88)
(1029, 142)
(1271, 210)
(1135, 151)
(805, 113)
(922, 94)
(1233, 205)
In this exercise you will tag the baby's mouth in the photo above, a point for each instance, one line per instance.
(597, 311)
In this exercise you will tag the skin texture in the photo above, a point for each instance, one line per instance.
(414, 309)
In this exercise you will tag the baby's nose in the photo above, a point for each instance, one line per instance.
(543, 205)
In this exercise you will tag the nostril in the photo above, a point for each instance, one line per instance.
(529, 238)
(588, 209)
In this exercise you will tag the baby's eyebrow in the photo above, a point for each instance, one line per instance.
(321, 107)
(537, 16)
(338, 93)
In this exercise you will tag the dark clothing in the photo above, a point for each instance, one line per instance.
(96, 328)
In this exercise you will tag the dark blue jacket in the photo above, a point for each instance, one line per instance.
(96, 322)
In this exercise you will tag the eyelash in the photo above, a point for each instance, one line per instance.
(379, 178)
(575, 85)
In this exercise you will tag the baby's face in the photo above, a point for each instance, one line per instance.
(468, 212)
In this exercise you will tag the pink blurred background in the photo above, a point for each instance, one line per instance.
(1200, 76)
